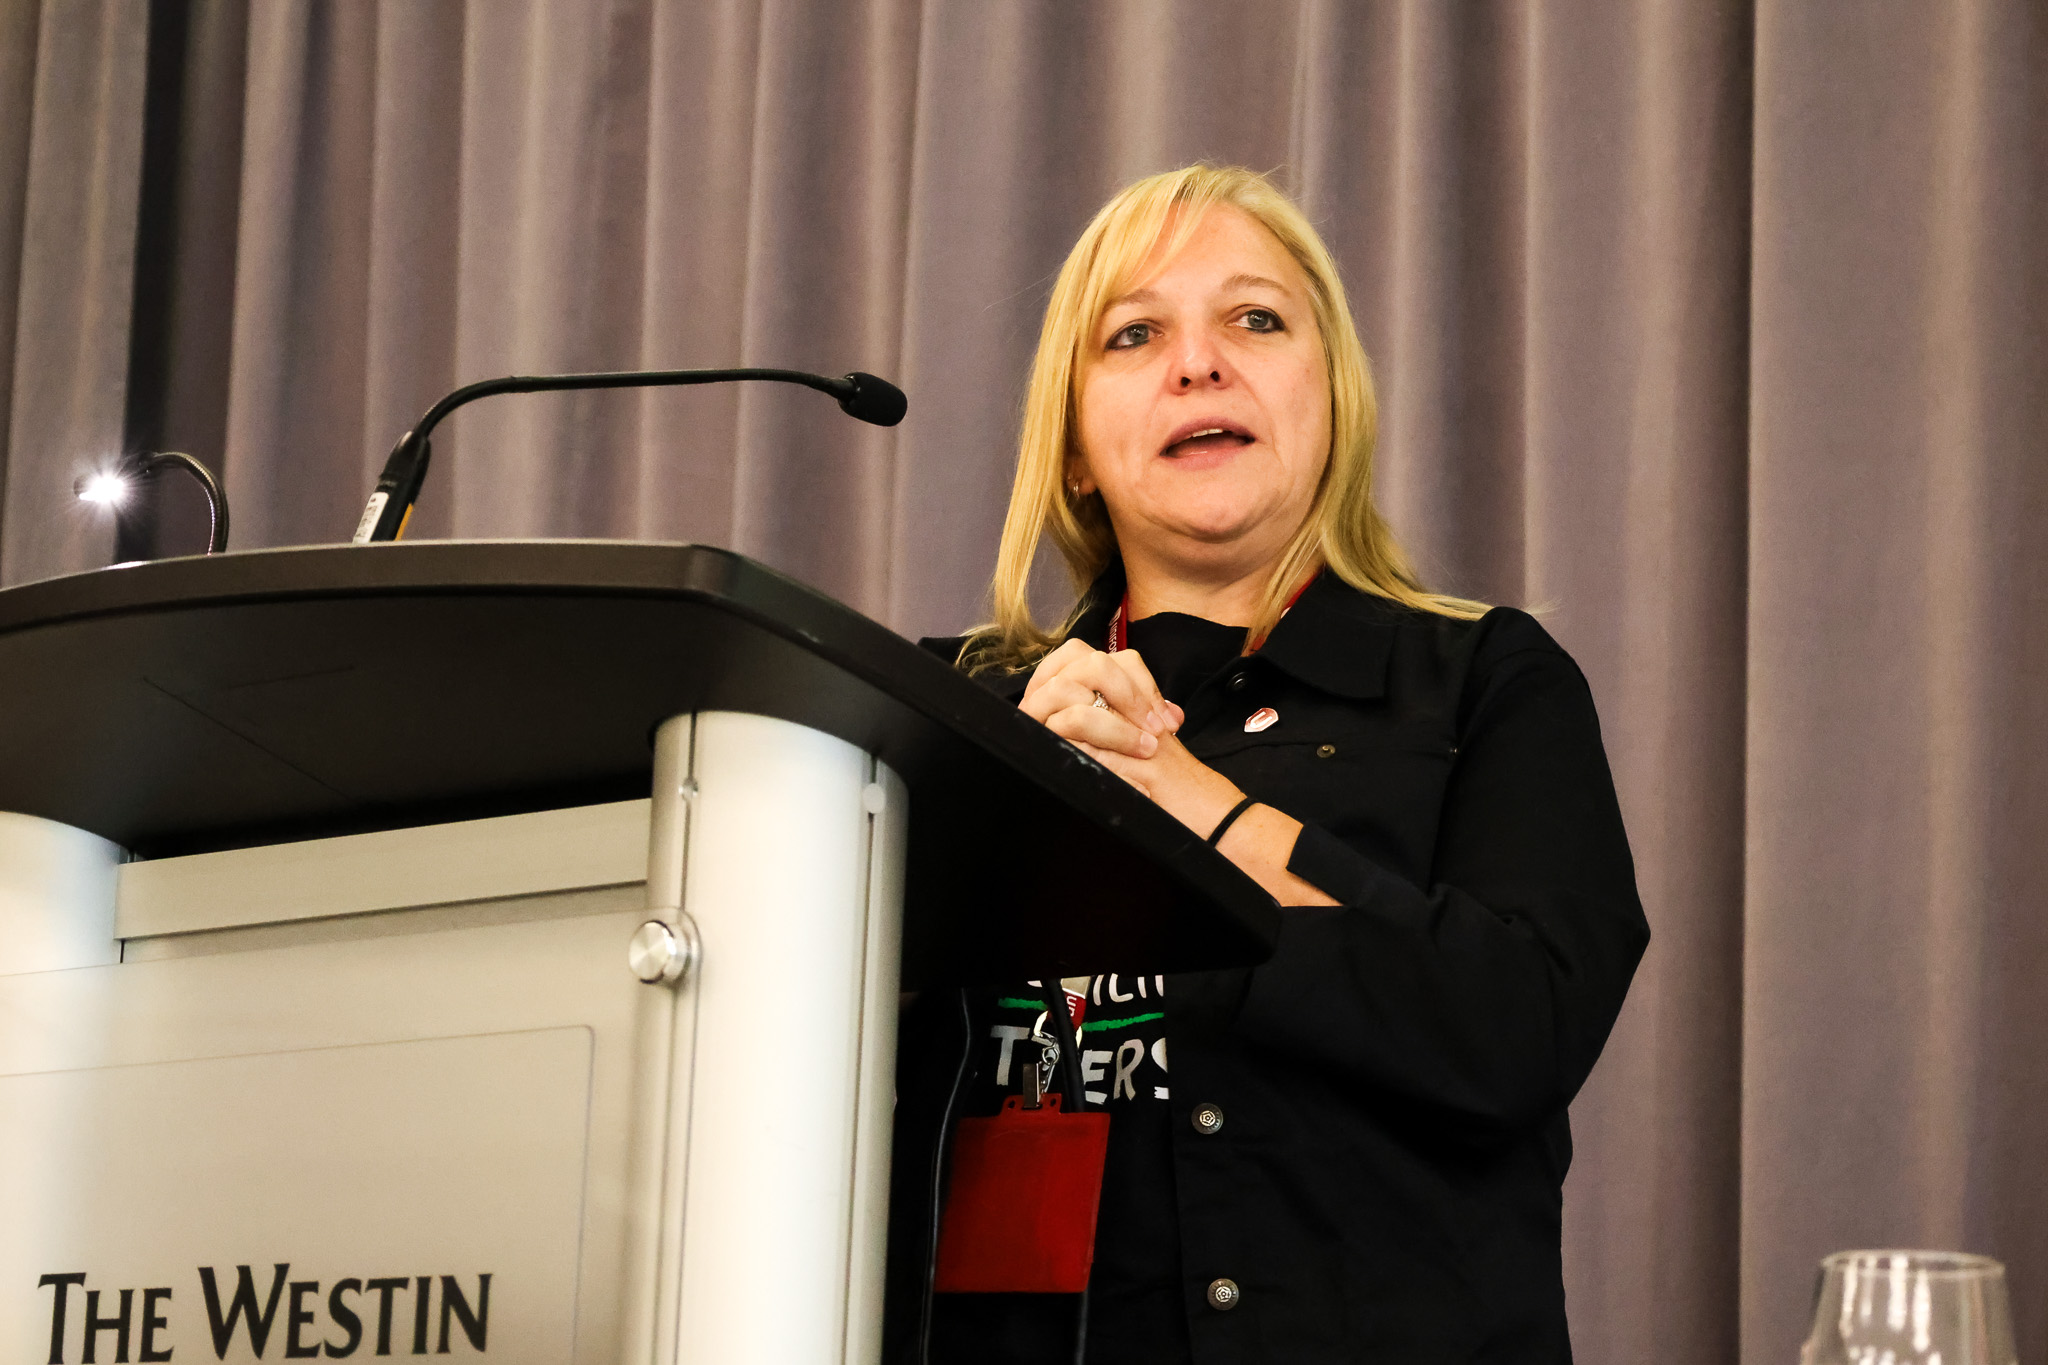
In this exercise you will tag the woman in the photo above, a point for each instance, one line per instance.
(1360, 1153)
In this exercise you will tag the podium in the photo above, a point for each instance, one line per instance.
(495, 948)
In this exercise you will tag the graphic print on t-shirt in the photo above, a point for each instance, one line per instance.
(1122, 1035)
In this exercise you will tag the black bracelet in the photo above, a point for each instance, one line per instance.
(1216, 835)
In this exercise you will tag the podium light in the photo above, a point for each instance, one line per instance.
(111, 487)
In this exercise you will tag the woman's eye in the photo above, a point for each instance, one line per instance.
(1137, 334)
(1261, 320)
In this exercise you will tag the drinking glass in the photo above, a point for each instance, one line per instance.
(1910, 1308)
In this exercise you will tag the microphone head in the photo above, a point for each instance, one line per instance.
(872, 399)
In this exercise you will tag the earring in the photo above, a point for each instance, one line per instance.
(1073, 488)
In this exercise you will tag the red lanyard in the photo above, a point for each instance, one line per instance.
(1119, 634)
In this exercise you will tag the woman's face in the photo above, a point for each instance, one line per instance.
(1204, 404)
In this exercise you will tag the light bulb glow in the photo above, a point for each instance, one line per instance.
(108, 490)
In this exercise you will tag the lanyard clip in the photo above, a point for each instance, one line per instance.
(1038, 1078)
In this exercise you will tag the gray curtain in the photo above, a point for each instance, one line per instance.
(71, 100)
(1714, 328)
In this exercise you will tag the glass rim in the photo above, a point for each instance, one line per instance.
(1959, 1263)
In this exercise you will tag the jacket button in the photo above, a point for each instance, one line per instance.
(1239, 681)
(1224, 1294)
(1326, 751)
(1207, 1118)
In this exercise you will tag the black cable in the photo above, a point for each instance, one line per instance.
(1076, 1102)
(938, 1190)
(1070, 1045)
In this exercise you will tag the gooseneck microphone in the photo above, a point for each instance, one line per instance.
(398, 487)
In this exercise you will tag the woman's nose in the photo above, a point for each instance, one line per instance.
(1198, 365)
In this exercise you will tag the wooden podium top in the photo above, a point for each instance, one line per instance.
(194, 704)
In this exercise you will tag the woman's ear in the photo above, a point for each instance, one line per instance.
(1078, 481)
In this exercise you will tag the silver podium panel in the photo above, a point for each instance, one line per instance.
(401, 1093)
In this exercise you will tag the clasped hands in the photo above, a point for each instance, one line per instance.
(1134, 732)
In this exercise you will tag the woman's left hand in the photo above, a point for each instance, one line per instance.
(1190, 790)
(1260, 841)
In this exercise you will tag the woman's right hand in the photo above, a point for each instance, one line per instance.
(1063, 690)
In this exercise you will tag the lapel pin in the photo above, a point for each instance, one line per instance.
(1265, 718)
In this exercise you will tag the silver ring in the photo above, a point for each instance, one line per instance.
(1099, 703)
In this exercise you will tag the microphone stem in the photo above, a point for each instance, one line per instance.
(399, 485)
(609, 379)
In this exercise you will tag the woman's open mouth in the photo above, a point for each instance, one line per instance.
(1205, 438)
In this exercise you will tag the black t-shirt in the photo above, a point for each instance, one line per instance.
(1135, 1313)
(1183, 652)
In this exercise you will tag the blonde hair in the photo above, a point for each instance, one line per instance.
(1343, 530)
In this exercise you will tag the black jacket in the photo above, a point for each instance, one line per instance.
(1388, 1184)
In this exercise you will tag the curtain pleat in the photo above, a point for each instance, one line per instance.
(19, 22)
(414, 214)
(834, 98)
(1713, 330)
(70, 213)
(300, 353)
